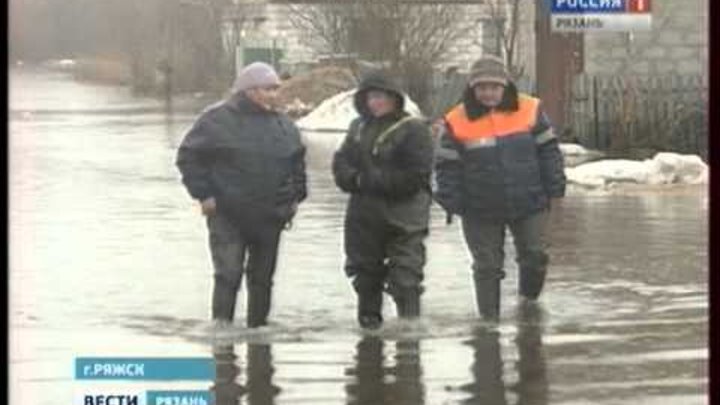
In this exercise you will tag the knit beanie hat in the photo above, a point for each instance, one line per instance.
(489, 69)
(256, 74)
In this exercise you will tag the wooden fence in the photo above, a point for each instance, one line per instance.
(624, 113)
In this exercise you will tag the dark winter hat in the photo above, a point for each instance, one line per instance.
(257, 74)
(489, 69)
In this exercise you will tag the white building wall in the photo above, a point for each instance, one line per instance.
(677, 43)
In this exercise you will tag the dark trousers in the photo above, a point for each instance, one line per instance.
(379, 255)
(376, 255)
(485, 239)
(236, 249)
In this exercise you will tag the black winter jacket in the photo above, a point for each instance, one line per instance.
(250, 159)
(393, 170)
(395, 167)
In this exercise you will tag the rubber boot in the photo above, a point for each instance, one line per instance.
(408, 303)
(258, 306)
(487, 297)
(370, 309)
(531, 282)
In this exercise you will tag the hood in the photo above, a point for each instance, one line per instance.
(476, 110)
(377, 81)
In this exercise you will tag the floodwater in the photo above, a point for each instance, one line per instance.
(108, 257)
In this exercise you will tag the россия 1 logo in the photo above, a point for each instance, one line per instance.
(600, 6)
(600, 15)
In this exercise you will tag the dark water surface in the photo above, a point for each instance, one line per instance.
(109, 257)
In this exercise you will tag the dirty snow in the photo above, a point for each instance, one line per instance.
(576, 155)
(573, 149)
(663, 169)
(336, 113)
(305, 91)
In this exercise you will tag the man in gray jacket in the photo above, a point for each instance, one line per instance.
(245, 164)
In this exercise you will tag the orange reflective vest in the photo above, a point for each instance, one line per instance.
(485, 130)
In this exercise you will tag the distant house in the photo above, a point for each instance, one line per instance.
(552, 63)
(577, 72)
(643, 89)
(677, 43)
(263, 30)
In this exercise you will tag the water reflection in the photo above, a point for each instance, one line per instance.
(532, 387)
(487, 369)
(226, 389)
(258, 388)
(488, 386)
(375, 383)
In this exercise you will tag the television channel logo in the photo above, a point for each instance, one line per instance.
(601, 15)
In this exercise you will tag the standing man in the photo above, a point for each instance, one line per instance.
(245, 164)
(385, 163)
(498, 166)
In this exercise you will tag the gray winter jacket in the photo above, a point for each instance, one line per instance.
(250, 159)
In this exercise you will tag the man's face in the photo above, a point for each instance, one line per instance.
(265, 97)
(489, 94)
(380, 103)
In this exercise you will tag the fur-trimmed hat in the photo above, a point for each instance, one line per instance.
(489, 69)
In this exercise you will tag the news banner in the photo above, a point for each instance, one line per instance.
(601, 15)
(140, 381)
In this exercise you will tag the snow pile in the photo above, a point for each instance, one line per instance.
(664, 168)
(303, 92)
(683, 169)
(573, 149)
(576, 154)
(336, 113)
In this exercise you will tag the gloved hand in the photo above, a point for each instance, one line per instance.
(292, 210)
(370, 180)
(448, 218)
(451, 206)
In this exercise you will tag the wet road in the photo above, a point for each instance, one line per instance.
(108, 256)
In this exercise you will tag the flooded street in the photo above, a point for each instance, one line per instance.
(109, 257)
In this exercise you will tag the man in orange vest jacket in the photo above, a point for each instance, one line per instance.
(499, 166)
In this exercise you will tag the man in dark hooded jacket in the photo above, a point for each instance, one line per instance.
(385, 163)
(245, 164)
(499, 166)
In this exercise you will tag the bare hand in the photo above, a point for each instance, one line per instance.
(208, 206)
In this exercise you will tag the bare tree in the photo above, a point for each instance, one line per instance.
(505, 18)
(409, 37)
(325, 25)
(198, 44)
